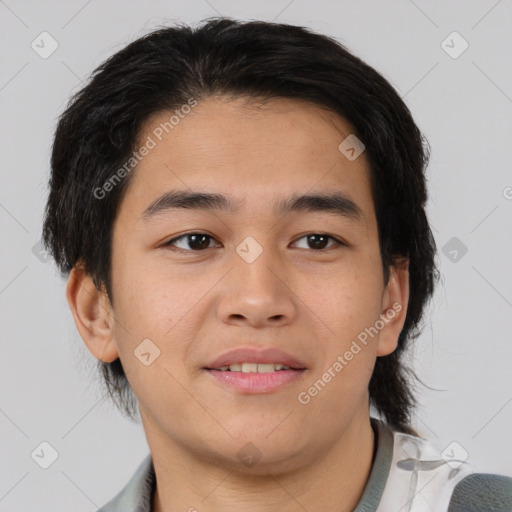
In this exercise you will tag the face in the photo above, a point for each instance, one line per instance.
(305, 281)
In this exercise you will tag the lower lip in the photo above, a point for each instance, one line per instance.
(256, 382)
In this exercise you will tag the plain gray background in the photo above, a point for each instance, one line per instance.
(463, 104)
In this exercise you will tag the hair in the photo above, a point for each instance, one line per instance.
(98, 131)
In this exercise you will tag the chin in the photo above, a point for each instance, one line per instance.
(266, 453)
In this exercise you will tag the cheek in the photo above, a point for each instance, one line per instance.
(166, 309)
(151, 318)
(340, 382)
(349, 307)
(145, 301)
(349, 301)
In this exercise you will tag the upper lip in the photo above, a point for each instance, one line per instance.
(259, 356)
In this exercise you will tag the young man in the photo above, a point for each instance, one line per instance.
(240, 209)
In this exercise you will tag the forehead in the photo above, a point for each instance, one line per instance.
(246, 123)
(248, 149)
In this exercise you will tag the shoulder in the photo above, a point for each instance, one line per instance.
(482, 491)
(425, 479)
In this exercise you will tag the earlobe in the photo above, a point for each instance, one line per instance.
(394, 307)
(93, 315)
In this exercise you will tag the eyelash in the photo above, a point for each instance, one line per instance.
(337, 242)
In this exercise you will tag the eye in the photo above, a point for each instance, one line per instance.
(319, 241)
(197, 241)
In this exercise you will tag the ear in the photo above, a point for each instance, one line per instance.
(394, 307)
(93, 315)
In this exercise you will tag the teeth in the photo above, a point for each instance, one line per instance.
(264, 368)
(253, 367)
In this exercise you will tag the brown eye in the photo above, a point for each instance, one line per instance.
(194, 242)
(318, 241)
(197, 242)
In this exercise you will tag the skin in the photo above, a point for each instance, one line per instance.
(195, 305)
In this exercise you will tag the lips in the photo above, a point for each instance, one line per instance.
(258, 356)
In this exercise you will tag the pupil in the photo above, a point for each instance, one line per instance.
(316, 239)
(203, 245)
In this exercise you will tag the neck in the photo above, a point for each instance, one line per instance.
(333, 481)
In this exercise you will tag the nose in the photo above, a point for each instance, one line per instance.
(257, 294)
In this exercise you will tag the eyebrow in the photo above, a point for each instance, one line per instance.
(337, 203)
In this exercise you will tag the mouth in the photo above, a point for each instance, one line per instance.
(250, 370)
(251, 360)
(254, 368)
(252, 378)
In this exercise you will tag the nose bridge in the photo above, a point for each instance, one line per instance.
(256, 291)
(255, 262)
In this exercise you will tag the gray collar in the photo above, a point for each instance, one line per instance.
(137, 496)
(374, 488)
